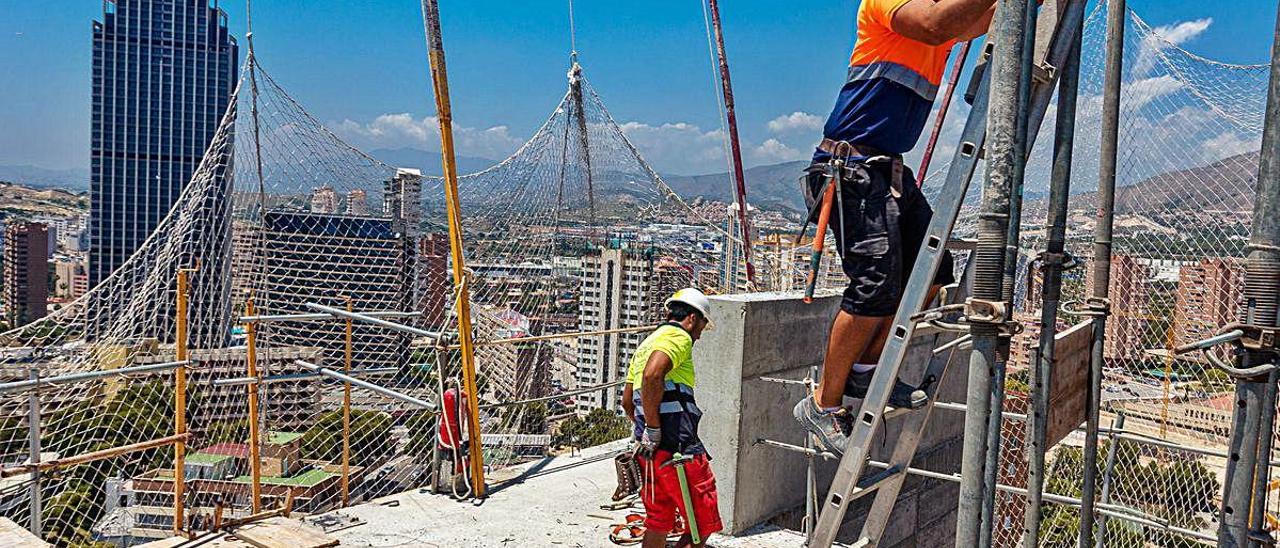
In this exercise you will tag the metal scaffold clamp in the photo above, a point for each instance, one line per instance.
(1091, 306)
(1243, 337)
(982, 311)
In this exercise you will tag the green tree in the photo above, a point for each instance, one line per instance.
(600, 426)
(371, 439)
(527, 419)
(422, 433)
(232, 431)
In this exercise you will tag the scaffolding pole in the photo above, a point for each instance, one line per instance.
(440, 83)
(33, 447)
(731, 116)
(366, 385)
(180, 403)
(1112, 451)
(251, 369)
(1255, 396)
(993, 231)
(1009, 280)
(1054, 260)
(1099, 303)
(346, 412)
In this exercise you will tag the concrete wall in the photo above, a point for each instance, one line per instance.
(777, 335)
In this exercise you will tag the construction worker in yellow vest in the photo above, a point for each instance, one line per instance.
(658, 397)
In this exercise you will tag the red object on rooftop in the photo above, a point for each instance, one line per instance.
(450, 429)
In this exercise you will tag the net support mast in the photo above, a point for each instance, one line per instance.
(444, 112)
(735, 145)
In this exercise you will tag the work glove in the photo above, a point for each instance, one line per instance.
(649, 441)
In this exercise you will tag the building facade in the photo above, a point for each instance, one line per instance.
(617, 287)
(26, 272)
(323, 258)
(163, 75)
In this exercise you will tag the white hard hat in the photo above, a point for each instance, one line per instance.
(694, 298)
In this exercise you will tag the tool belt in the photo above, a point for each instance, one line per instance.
(817, 175)
(629, 478)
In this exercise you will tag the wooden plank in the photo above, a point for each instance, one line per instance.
(13, 535)
(1070, 381)
(282, 532)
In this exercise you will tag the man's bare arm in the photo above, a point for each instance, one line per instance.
(652, 385)
(936, 22)
(979, 27)
(628, 405)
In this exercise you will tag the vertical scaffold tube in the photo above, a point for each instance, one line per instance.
(1261, 306)
(995, 426)
(440, 82)
(1051, 295)
(1101, 264)
(988, 257)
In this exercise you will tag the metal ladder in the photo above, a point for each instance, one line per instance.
(1053, 45)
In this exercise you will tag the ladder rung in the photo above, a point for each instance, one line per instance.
(873, 482)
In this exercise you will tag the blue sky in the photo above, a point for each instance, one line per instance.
(360, 67)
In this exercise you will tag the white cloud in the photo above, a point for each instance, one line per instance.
(795, 122)
(773, 151)
(1226, 144)
(1143, 92)
(678, 147)
(1174, 34)
(403, 130)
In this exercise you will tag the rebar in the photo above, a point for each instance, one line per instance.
(993, 231)
(1101, 265)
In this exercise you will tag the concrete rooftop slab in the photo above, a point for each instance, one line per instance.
(553, 502)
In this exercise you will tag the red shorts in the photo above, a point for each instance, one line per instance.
(663, 499)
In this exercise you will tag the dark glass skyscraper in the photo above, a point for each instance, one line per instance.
(163, 73)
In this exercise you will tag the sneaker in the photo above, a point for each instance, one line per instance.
(824, 425)
(903, 395)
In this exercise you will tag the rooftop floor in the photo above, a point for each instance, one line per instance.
(552, 502)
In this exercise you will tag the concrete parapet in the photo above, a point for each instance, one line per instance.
(778, 335)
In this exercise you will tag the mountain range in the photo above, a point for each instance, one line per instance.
(74, 179)
(1215, 186)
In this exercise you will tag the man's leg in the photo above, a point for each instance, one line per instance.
(654, 539)
(872, 354)
(851, 337)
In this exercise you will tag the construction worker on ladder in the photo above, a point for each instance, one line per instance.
(659, 398)
(897, 64)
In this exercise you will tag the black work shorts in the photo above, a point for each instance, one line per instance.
(878, 236)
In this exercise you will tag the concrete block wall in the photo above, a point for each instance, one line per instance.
(778, 335)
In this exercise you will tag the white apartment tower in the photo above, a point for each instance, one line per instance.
(617, 284)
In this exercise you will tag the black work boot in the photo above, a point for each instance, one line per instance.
(903, 395)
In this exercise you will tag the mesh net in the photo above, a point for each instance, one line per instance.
(572, 233)
(576, 233)
(1190, 131)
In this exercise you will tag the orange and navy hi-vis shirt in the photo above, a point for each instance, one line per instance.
(892, 82)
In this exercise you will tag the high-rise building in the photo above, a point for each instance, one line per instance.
(163, 75)
(26, 272)
(617, 286)
(322, 258)
(1131, 309)
(357, 202)
(324, 200)
(1209, 296)
(434, 282)
(669, 276)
